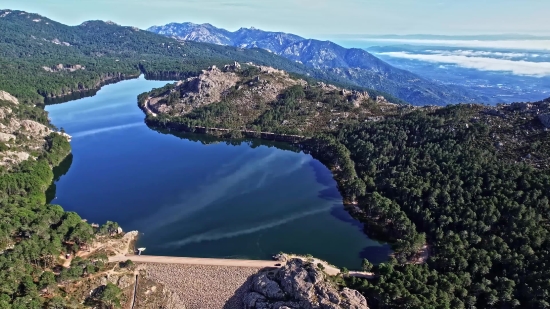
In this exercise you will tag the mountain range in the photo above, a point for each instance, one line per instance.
(355, 65)
(43, 59)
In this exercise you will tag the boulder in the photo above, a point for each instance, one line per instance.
(265, 286)
(301, 285)
(253, 300)
(5, 137)
(381, 99)
(358, 97)
(4, 96)
(4, 112)
(353, 299)
(35, 128)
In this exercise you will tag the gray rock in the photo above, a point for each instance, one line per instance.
(299, 285)
(353, 299)
(265, 286)
(253, 300)
(126, 281)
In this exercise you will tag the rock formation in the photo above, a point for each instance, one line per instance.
(60, 67)
(299, 285)
(4, 96)
(215, 85)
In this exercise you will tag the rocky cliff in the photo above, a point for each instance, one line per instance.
(21, 138)
(299, 285)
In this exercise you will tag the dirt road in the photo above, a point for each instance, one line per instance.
(148, 110)
(194, 261)
(329, 269)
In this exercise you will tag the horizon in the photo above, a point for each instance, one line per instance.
(308, 18)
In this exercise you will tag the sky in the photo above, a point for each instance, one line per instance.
(312, 18)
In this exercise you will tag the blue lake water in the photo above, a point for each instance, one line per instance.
(189, 196)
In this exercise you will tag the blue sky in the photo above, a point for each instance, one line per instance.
(310, 17)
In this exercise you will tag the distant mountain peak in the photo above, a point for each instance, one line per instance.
(353, 65)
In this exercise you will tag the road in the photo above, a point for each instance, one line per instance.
(148, 110)
(194, 261)
(330, 270)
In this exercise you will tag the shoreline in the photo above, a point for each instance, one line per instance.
(87, 92)
(350, 204)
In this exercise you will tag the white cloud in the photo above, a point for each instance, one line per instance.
(538, 69)
(482, 53)
(502, 44)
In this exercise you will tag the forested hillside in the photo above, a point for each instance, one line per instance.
(33, 233)
(471, 182)
(42, 58)
(485, 214)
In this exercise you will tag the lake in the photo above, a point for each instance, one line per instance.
(190, 195)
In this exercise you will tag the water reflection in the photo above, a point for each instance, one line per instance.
(58, 172)
(199, 195)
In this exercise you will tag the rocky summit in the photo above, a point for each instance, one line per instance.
(299, 284)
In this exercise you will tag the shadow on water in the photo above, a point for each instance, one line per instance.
(376, 254)
(58, 172)
(92, 92)
(330, 194)
(321, 175)
(207, 139)
(344, 216)
(84, 93)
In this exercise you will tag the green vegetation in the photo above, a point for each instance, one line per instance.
(110, 295)
(303, 109)
(425, 176)
(415, 176)
(486, 217)
(97, 52)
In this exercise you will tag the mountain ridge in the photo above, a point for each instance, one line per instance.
(41, 58)
(357, 66)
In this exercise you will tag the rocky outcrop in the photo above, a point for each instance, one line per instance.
(4, 96)
(4, 112)
(61, 67)
(5, 137)
(34, 128)
(355, 97)
(13, 157)
(201, 90)
(215, 85)
(299, 285)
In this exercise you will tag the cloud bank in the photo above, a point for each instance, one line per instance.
(488, 54)
(521, 67)
(501, 44)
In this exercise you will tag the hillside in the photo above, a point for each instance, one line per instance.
(261, 99)
(468, 182)
(354, 65)
(40, 58)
